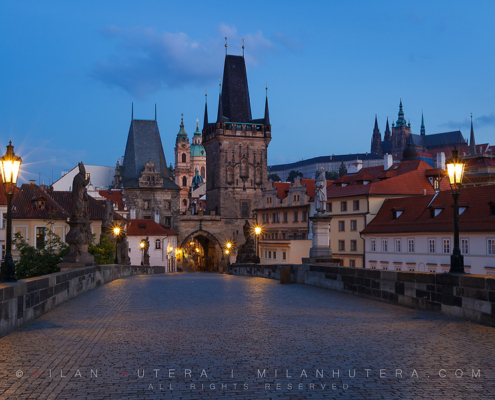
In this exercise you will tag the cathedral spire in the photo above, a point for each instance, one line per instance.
(205, 120)
(267, 115)
(376, 125)
(401, 121)
(423, 130)
(472, 143)
(387, 132)
(376, 141)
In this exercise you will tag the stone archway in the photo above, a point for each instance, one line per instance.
(210, 258)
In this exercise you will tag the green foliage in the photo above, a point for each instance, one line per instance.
(103, 252)
(331, 176)
(274, 178)
(342, 169)
(293, 175)
(36, 262)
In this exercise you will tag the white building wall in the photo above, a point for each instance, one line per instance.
(476, 261)
(158, 256)
(100, 177)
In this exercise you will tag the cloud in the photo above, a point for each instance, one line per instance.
(480, 122)
(147, 61)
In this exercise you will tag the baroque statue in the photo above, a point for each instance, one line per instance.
(321, 192)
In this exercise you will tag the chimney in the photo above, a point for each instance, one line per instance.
(355, 167)
(32, 181)
(388, 161)
(424, 192)
(441, 160)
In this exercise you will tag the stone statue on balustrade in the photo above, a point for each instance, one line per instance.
(321, 193)
(247, 252)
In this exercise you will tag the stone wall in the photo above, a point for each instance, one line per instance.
(270, 271)
(467, 296)
(28, 299)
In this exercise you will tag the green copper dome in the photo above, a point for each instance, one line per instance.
(197, 180)
(182, 134)
(197, 150)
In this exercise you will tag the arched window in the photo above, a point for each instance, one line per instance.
(157, 244)
(184, 181)
(203, 172)
(184, 202)
(184, 157)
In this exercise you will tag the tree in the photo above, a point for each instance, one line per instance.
(331, 176)
(342, 169)
(274, 178)
(293, 175)
(36, 262)
(103, 252)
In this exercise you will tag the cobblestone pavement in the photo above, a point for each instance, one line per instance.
(194, 336)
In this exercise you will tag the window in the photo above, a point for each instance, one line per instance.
(446, 246)
(397, 245)
(203, 172)
(184, 181)
(431, 245)
(296, 216)
(353, 245)
(184, 159)
(168, 221)
(296, 197)
(352, 263)
(353, 225)
(269, 254)
(355, 205)
(373, 245)
(341, 226)
(341, 245)
(275, 217)
(285, 216)
(244, 209)
(284, 255)
(269, 200)
(158, 244)
(329, 207)
(384, 245)
(87, 176)
(398, 268)
(410, 245)
(284, 235)
(146, 204)
(343, 206)
(411, 269)
(304, 216)
(274, 255)
(4, 221)
(490, 244)
(40, 238)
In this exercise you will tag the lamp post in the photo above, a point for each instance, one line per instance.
(10, 165)
(116, 233)
(455, 169)
(142, 244)
(257, 231)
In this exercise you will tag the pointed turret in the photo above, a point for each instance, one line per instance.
(267, 115)
(387, 132)
(375, 129)
(376, 141)
(205, 120)
(220, 106)
(182, 134)
(236, 106)
(423, 130)
(472, 143)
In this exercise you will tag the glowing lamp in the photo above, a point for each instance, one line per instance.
(455, 169)
(257, 229)
(10, 165)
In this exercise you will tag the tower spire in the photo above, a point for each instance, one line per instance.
(132, 111)
(267, 114)
(225, 45)
(387, 132)
(472, 143)
(423, 130)
(205, 120)
(401, 121)
(220, 107)
(243, 47)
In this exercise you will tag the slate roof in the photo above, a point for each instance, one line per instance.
(439, 140)
(144, 143)
(58, 205)
(416, 215)
(235, 92)
(405, 178)
(324, 159)
(148, 227)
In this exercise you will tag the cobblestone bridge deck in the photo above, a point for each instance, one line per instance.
(193, 336)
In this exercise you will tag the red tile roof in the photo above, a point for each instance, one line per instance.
(416, 216)
(58, 205)
(406, 178)
(115, 196)
(282, 189)
(148, 227)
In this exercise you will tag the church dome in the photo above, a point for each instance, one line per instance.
(197, 180)
(197, 149)
(182, 134)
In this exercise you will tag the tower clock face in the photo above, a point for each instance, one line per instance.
(183, 146)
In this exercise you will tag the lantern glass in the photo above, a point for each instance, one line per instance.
(116, 231)
(257, 230)
(456, 172)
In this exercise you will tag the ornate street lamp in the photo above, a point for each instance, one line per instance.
(455, 169)
(116, 233)
(142, 244)
(257, 231)
(10, 165)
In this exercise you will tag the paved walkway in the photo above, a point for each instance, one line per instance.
(182, 336)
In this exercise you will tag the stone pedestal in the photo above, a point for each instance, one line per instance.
(321, 237)
(78, 238)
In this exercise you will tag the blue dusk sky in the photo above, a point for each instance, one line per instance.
(69, 72)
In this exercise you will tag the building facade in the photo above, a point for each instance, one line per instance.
(416, 234)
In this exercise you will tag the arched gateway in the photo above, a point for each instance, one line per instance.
(201, 251)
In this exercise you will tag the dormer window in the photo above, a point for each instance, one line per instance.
(435, 211)
(40, 204)
(397, 212)
(462, 209)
